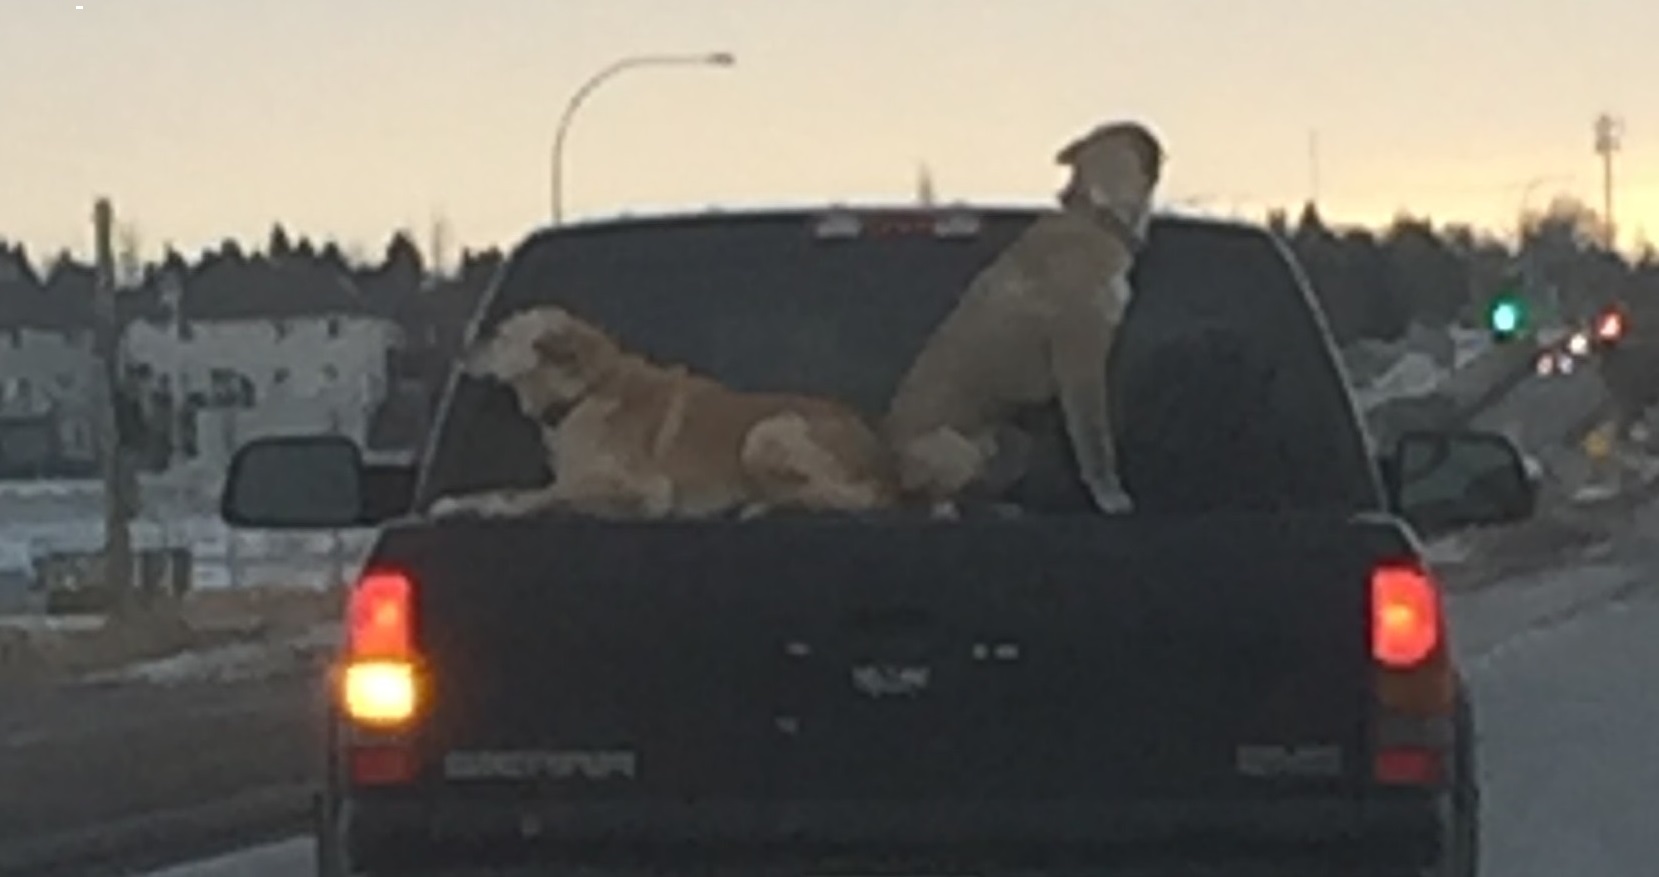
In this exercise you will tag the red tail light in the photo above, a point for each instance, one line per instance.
(379, 621)
(382, 765)
(1407, 766)
(1405, 616)
(380, 684)
(1611, 326)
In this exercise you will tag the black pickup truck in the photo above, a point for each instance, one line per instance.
(1250, 673)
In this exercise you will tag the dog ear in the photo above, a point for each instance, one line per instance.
(1068, 154)
(1073, 151)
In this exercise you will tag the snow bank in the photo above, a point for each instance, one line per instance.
(241, 661)
(1414, 374)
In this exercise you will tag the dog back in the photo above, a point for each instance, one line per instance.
(991, 354)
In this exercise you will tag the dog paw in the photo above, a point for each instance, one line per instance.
(451, 507)
(1114, 503)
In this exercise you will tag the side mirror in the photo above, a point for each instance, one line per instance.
(1444, 481)
(311, 483)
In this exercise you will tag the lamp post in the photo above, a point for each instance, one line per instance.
(1529, 187)
(1528, 271)
(714, 59)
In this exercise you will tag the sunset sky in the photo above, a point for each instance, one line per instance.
(348, 118)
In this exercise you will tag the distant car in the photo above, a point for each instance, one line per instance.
(1556, 362)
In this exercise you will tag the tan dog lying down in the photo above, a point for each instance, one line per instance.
(645, 440)
(1035, 326)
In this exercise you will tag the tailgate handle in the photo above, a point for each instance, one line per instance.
(888, 619)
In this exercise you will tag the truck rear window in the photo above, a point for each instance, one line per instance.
(838, 305)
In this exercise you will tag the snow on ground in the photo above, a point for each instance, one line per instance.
(1414, 374)
(1467, 344)
(262, 659)
(48, 624)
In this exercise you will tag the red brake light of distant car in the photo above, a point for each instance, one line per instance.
(379, 683)
(1405, 616)
(1610, 326)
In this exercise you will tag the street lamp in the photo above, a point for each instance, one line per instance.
(714, 59)
(1527, 189)
(1523, 254)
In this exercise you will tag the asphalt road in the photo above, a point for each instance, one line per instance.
(1546, 416)
(135, 774)
(1539, 411)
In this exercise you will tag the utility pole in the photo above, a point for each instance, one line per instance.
(438, 247)
(1609, 132)
(1313, 168)
(118, 475)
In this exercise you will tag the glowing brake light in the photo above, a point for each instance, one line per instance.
(1405, 616)
(380, 616)
(1610, 326)
(380, 692)
(379, 684)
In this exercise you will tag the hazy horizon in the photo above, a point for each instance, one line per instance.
(206, 119)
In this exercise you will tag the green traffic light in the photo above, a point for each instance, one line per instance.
(1506, 317)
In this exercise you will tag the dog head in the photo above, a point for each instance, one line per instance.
(547, 355)
(1118, 166)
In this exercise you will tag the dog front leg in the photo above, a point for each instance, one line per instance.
(614, 496)
(1079, 355)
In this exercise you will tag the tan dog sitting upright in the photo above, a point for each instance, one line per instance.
(1035, 326)
(637, 439)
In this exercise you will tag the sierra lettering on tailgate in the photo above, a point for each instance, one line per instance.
(597, 764)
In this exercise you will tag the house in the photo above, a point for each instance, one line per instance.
(248, 347)
(48, 374)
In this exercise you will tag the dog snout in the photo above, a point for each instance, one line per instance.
(484, 359)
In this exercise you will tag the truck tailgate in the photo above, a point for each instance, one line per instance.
(1083, 660)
